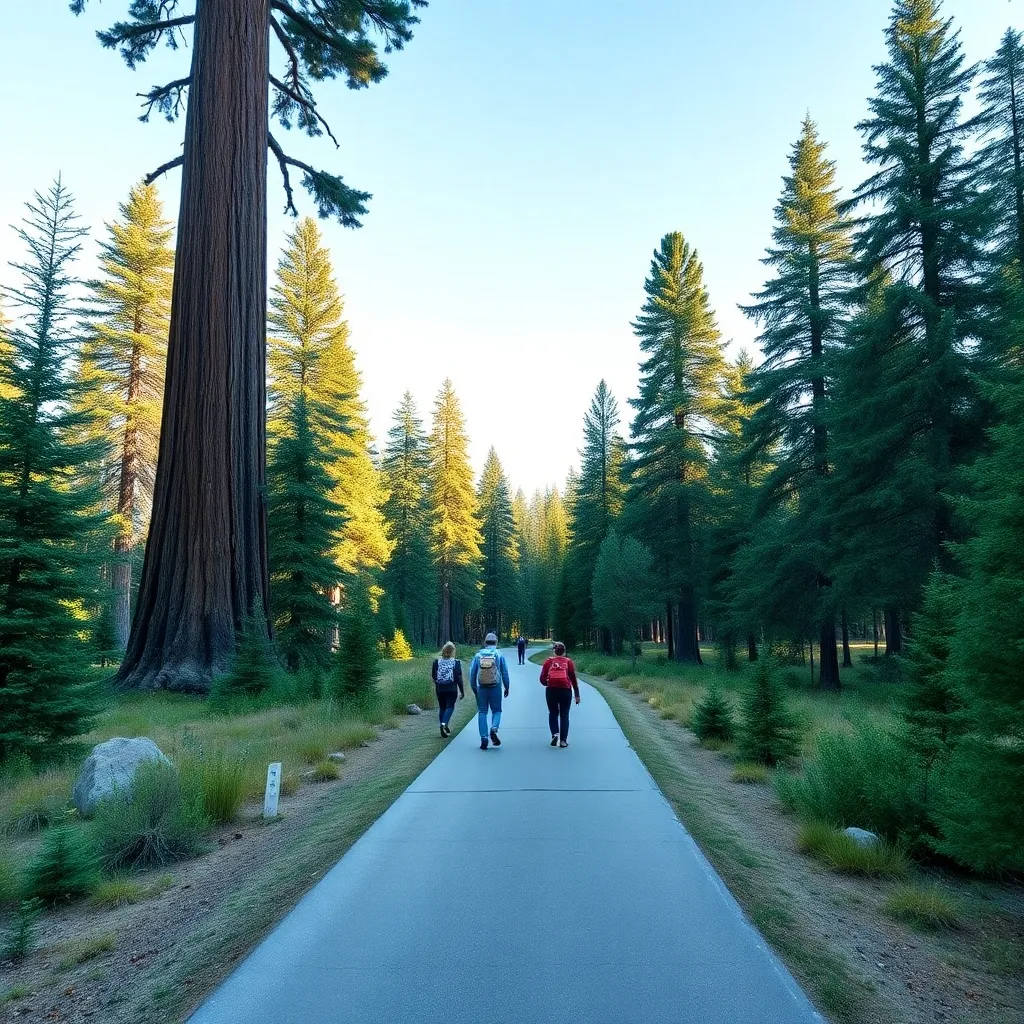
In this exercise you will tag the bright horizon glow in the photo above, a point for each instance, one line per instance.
(524, 163)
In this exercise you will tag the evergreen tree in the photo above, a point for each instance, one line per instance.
(357, 661)
(622, 595)
(254, 669)
(678, 414)
(308, 416)
(208, 494)
(713, 718)
(800, 311)
(908, 411)
(124, 359)
(409, 577)
(48, 514)
(500, 568)
(455, 530)
(596, 504)
(768, 733)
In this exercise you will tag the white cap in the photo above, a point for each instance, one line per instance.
(490, 639)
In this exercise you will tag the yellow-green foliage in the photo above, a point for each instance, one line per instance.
(399, 648)
(923, 906)
(839, 852)
(80, 951)
(35, 802)
(749, 772)
(221, 779)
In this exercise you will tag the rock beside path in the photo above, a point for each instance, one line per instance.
(861, 836)
(413, 709)
(111, 766)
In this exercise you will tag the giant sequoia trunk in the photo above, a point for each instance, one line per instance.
(687, 648)
(206, 560)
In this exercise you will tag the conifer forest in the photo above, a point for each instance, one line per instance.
(192, 499)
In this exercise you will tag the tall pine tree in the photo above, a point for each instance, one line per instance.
(409, 577)
(800, 311)
(678, 416)
(454, 527)
(500, 567)
(49, 517)
(124, 358)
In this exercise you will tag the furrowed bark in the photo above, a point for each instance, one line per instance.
(206, 560)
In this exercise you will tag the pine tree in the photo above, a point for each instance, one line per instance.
(768, 733)
(50, 523)
(208, 493)
(308, 416)
(678, 414)
(919, 253)
(622, 594)
(409, 576)
(124, 358)
(597, 501)
(500, 568)
(800, 311)
(713, 717)
(357, 661)
(455, 530)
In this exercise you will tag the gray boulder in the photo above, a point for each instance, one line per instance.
(111, 766)
(861, 836)
(413, 709)
(336, 757)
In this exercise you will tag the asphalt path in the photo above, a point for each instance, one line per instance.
(519, 884)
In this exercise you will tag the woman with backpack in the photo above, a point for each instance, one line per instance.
(446, 672)
(559, 677)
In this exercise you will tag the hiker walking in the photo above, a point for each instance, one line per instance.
(559, 678)
(488, 677)
(521, 649)
(446, 671)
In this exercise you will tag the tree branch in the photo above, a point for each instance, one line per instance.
(293, 57)
(283, 161)
(163, 169)
(160, 97)
(337, 43)
(307, 104)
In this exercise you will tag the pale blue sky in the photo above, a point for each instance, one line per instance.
(525, 158)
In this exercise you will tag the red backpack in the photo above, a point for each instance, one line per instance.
(558, 672)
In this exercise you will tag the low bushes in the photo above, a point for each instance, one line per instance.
(65, 868)
(160, 822)
(749, 773)
(10, 880)
(326, 771)
(867, 779)
(841, 853)
(221, 781)
(37, 802)
(713, 718)
(925, 907)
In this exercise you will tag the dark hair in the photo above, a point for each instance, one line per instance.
(559, 648)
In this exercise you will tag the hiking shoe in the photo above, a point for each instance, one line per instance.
(554, 741)
(494, 738)
(447, 729)
(444, 735)
(563, 743)
(483, 744)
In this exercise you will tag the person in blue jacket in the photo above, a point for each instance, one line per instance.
(488, 678)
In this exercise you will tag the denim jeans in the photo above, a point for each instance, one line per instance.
(488, 698)
(559, 700)
(445, 703)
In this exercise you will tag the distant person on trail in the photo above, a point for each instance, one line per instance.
(446, 672)
(559, 677)
(521, 649)
(488, 676)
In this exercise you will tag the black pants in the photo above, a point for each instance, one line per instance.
(559, 701)
(445, 703)
(522, 656)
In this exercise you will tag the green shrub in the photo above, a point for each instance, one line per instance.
(10, 879)
(80, 951)
(923, 906)
(712, 717)
(35, 803)
(768, 734)
(21, 939)
(840, 852)
(221, 781)
(117, 892)
(256, 669)
(326, 771)
(750, 773)
(399, 648)
(867, 779)
(65, 868)
(357, 661)
(157, 822)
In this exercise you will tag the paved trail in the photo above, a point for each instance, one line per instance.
(523, 884)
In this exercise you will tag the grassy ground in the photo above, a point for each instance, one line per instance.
(238, 889)
(883, 941)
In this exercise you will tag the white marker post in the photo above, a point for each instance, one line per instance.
(273, 790)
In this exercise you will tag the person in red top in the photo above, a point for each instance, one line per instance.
(559, 677)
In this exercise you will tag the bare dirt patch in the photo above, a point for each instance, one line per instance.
(881, 969)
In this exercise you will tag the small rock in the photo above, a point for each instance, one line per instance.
(861, 836)
(337, 757)
(365, 743)
(111, 766)
(413, 709)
